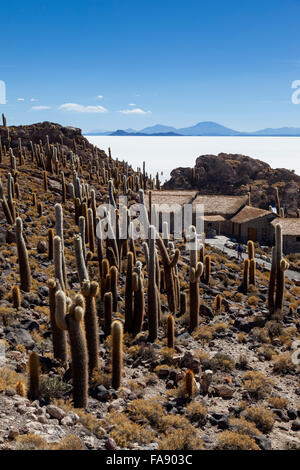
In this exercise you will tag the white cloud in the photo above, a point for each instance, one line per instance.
(79, 108)
(99, 97)
(40, 108)
(20, 99)
(33, 99)
(131, 104)
(134, 111)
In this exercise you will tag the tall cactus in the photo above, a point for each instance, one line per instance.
(153, 294)
(196, 270)
(189, 379)
(59, 339)
(245, 282)
(71, 320)
(169, 265)
(58, 268)
(117, 353)
(277, 276)
(34, 376)
(50, 243)
(104, 274)
(16, 297)
(128, 327)
(89, 291)
(91, 235)
(80, 261)
(138, 303)
(251, 249)
(25, 273)
(207, 263)
(252, 272)
(170, 331)
(59, 229)
(114, 274)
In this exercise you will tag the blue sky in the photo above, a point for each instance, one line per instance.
(161, 61)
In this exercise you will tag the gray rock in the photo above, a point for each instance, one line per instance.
(263, 442)
(296, 425)
(56, 412)
(110, 444)
(20, 336)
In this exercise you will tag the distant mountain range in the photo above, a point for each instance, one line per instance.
(201, 129)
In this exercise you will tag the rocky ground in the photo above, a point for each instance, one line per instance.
(233, 175)
(246, 389)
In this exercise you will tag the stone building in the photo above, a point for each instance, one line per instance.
(218, 210)
(290, 233)
(252, 223)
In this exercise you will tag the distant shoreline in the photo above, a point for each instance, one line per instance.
(178, 135)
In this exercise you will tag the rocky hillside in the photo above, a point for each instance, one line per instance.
(122, 345)
(234, 175)
(70, 138)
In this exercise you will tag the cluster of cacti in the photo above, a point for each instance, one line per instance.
(155, 271)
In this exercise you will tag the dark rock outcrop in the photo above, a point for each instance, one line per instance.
(234, 175)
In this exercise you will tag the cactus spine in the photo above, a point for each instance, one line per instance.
(25, 273)
(117, 353)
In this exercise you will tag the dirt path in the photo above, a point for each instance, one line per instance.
(220, 241)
